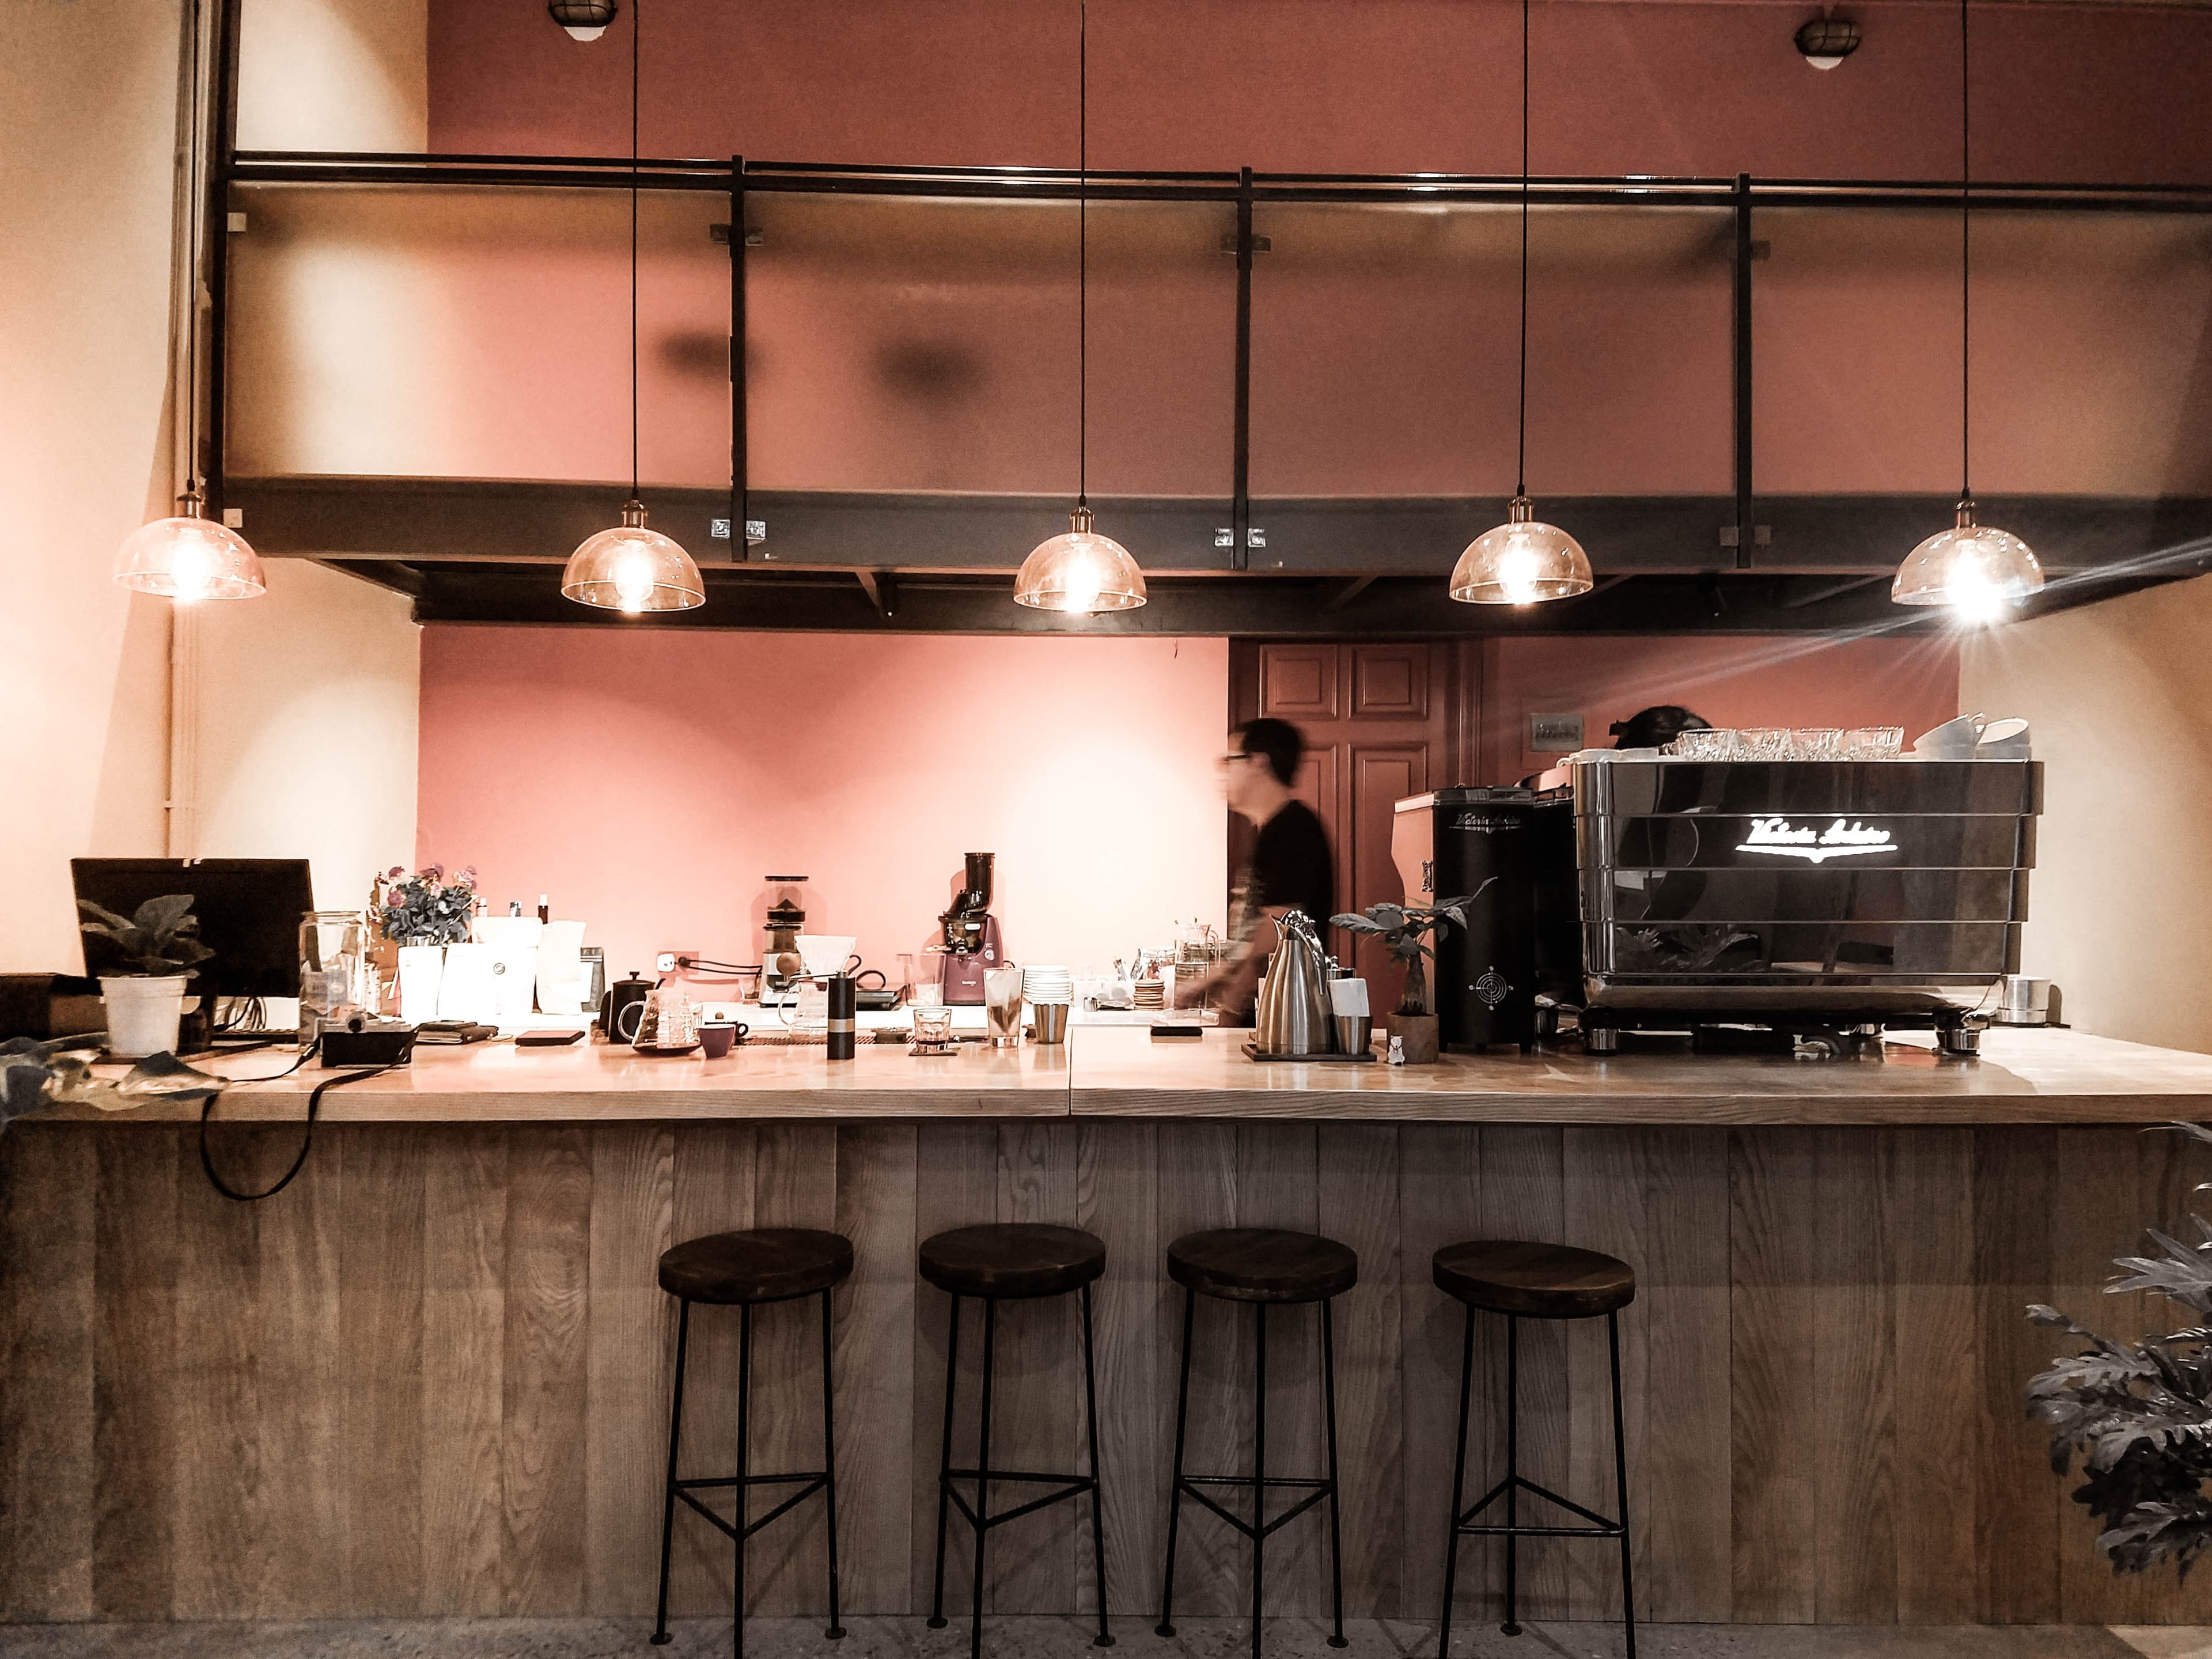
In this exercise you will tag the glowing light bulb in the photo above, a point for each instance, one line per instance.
(1080, 572)
(1976, 599)
(1978, 572)
(633, 582)
(1521, 563)
(1518, 568)
(191, 569)
(1082, 593)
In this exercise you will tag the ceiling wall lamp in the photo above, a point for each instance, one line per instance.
(1982, 573)
(1523, 560)
(1826, 41)
(630, 568)
(585, 19)
(189, 556)
(1080, 571)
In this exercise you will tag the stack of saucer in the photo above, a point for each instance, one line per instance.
(1047, 985)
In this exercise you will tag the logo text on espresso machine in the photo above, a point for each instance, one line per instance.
(1840, 840)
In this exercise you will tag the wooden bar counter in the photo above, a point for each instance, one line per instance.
(430, 1377)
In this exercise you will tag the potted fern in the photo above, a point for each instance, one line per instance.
(1402, 928)
(145, 994)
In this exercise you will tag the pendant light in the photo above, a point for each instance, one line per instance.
(1081, 572)
(189, 556)
(1981, 572)
(631, 569)
(1523, 560)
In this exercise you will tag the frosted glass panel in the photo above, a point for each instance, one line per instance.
(2093, 371)
(1384, 344)
(416, 331)
(911, 344)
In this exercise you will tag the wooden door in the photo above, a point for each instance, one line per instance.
(1381, 721)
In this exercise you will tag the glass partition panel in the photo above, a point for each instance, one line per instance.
(1385, 341)
(912, 344)
(2092, 363)
(454, 332)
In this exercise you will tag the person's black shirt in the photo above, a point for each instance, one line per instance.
(1291, 865)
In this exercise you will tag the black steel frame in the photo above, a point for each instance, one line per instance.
(738, 178)
(1259, 1483)
(809, 1481)
(978, 1515)
(1463, 1521)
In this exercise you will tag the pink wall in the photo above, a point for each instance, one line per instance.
(1324, 85)
(648, 779)
(1739, 680)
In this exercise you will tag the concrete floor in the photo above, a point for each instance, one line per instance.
(1053, 1638)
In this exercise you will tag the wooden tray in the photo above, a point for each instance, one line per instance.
(1252, 1052)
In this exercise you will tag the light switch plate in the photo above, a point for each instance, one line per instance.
(1554, 734)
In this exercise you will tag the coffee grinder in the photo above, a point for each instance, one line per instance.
(781, 969)
(972, 942)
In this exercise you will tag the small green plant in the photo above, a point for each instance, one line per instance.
(2139, 1414)
(161, 941)
(1401, 928)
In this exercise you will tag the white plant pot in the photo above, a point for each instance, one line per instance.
(142, 1015)
(421, 969)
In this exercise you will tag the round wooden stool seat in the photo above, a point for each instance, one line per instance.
(767, 1264)
(1262, 1264)
(1535, 1281)
(1011, 1260)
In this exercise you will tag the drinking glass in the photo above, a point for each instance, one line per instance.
(1002, 1005)
(933, 1022)
(1707, 745)
(1817, 743)
(1762, 742)
(1874, 742)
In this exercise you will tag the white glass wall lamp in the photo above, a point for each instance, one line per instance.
(188, 556)
(1080, 571)
(630, 568)
(1983, 574)
(1523, 560)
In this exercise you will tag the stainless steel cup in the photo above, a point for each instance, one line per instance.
(1355, 1033)
(1050, 1021)
(2026, 1001)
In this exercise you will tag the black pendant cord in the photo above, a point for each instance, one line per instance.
(195, 209)
(636, 42)
(1082, 253)
(1966, 261)
(1521, 461)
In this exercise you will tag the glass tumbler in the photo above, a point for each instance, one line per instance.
(1817, 743)
(1002, 1005)
(1762, 743)
(334, 971)
(1874, 742)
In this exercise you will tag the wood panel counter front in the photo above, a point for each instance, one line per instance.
(2023, 1077)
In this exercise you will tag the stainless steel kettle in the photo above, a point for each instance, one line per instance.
(1293, 1016)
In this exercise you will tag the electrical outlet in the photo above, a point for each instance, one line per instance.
(664, 962)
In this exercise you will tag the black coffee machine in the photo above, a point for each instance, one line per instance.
(971, 939)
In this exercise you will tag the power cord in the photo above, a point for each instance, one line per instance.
(306, 1141)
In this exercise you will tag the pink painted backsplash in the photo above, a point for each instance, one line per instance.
(647, 780)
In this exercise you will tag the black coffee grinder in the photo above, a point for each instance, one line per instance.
(780, 968)
(972, 942)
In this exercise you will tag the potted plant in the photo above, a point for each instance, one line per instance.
(1402, 927)
(2135, 1412)
(145, 996)
(422, 913)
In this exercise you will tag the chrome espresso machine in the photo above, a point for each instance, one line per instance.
(1812, 901)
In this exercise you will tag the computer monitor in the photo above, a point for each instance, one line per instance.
(249, 912)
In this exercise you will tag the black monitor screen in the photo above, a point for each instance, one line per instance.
(249, 911)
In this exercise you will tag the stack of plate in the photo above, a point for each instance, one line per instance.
(1148, 993)
(1048, 984)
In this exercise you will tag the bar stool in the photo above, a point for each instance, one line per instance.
(746, 1270)
(1532, 1281)
(1265, 1266)
(1012, 1261)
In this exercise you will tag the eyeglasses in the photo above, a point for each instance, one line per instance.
(1228, 760)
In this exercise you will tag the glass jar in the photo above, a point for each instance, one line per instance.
(336, 974)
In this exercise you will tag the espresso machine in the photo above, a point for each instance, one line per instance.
(971, 939)
(1776, 903)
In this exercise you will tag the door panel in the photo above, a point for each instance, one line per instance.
(1380, 777)
(1389, 682)
(1298, 683)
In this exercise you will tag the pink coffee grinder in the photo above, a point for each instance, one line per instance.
(972, 942)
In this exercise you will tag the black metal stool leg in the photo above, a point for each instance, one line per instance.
(984, 1477)
(1459, 1492)
(1166, 1626)
(829, 1465)
(1335, 1527)
(1512, 1625)
(1259, 1465)
(745, 1464)
(944, 1464)
(660, 1636)
(1621, 1487)
(1097, 1503)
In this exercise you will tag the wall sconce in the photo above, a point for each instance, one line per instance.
(1826, 41)
(585, 19)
